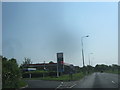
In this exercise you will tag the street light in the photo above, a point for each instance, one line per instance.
(82, 49)
(89, 57)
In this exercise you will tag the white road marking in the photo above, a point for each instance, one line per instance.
(113, 82)
(65, 85)
(60, 85)
(61, 82)
(72, 85)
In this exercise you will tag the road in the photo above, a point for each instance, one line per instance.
(95, 80)
(99, 80)
(42, 84)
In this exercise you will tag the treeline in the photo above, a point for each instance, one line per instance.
(114, 68)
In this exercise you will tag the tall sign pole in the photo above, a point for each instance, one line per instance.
(60, 63)
(57, 71)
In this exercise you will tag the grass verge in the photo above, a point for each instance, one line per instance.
(22, 83)
(76, 76)
(114, 72)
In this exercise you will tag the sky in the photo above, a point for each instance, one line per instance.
(39, 30)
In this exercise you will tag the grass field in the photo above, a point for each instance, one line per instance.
(22, 83)
(114, 72)
(76, 76)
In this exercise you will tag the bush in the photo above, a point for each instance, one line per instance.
(10, 73)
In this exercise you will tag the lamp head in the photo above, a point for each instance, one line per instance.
(87, 36)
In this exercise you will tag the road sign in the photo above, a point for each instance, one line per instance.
(60, 62)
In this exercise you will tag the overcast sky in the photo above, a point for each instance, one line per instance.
(40, 30)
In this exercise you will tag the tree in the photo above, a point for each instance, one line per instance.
(10, 73)
(115, 67)
(26, 62)
(89, 68)
(101, 67)
(51, 62)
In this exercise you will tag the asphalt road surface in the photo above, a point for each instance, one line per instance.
(42, 84)
(95, 80)
(99, 80)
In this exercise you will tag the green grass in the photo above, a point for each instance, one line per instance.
(40, 78)
(76, 76)
(61, 78)
(15, 84)
(37, 71)
(22, 83)
(114, 72)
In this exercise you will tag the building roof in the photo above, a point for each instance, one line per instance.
(47, 64)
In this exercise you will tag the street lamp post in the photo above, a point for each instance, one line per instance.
(82, 49)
